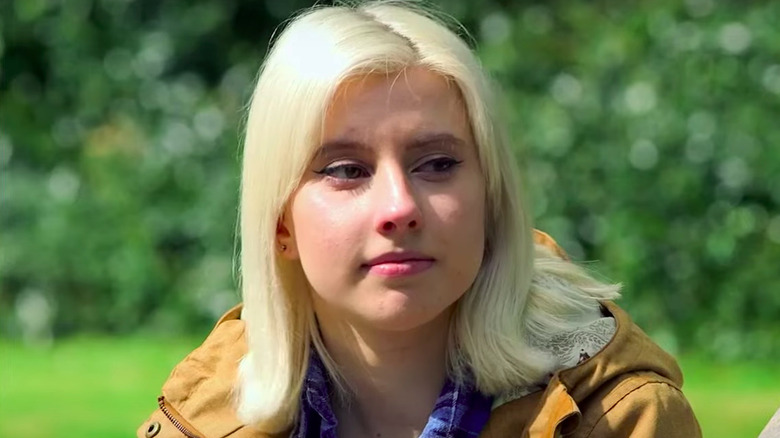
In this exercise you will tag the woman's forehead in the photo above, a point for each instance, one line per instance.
(417, 82)
(413, 101)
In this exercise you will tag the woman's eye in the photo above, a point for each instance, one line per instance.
(438, 165)
(344, 171)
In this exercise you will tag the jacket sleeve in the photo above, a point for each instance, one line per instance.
(654, 409)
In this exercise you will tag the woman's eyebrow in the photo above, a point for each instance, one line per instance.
(339, 146)
(436, 139)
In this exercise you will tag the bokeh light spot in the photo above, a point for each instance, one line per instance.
(643, 154)
(566, 89)
(734, 38)
(640, 97)
(495, 28)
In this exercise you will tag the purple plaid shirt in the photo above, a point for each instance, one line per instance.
(460, 411)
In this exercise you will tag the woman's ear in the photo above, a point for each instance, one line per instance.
(285, 238)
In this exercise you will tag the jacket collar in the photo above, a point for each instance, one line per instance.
(629, 350)
(555, 409)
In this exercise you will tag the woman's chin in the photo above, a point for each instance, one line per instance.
(403, 314)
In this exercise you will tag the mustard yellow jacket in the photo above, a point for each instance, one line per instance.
(630, 388)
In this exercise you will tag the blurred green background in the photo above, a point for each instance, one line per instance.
(648, 131)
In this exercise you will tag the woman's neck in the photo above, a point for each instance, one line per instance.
(394, 377)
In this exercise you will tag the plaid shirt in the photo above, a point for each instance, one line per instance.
(460, 411)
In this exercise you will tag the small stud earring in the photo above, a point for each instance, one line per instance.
(284, 247)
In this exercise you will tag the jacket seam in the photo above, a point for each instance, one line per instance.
(614, 405)
(232, 431)
(184, 401)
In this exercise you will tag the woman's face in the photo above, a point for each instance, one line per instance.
(388, 221)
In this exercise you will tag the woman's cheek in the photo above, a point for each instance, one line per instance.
(326, 232)
(462, 213)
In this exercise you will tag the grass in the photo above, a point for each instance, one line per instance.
(731, 399)
(105, 387)
(83, 387)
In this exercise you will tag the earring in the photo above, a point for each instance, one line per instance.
(284, 247)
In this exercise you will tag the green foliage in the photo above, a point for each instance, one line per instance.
(652, 146)
(647, 131)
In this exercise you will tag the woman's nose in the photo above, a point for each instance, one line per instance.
(397, 206)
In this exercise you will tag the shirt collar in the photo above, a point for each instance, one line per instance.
(460, 411)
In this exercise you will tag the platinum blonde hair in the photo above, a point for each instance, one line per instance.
(522, 291)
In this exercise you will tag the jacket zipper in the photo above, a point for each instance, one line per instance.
(172, 418)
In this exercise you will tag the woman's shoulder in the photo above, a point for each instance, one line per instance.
(196, 398)
(630, 386)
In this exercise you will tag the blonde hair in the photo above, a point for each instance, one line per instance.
(521, 291)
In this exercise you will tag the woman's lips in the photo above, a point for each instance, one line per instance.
(399, 264)
(400, 268)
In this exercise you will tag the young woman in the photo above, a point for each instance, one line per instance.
(392, 283)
